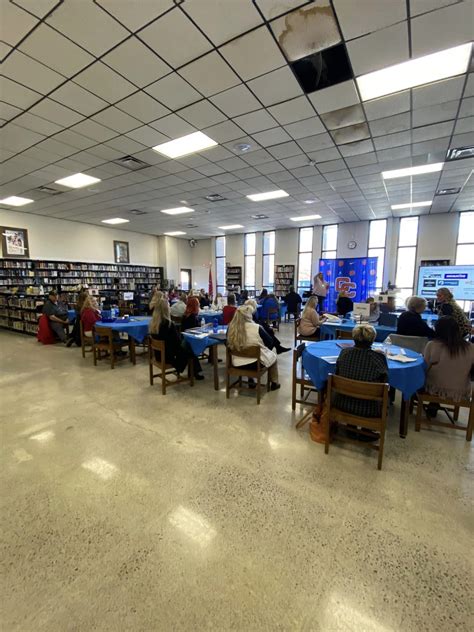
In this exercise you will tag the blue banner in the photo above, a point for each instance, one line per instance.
(357, 277)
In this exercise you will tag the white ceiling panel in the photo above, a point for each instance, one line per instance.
(275, 87)
(55, 112)
(104, 83)
(30, 73)
(16, 94)
(209, 74)
(367, 16)
(173, 91)
(443, 28)
(237, 100)
(15, 23)
(79, 99)
(380, 49)
(143, 107)
(335, 97)
(134, 15)
(123, 59)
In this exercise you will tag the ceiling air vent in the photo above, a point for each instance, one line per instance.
(259, 216)
(135, 211)
(460, 153)
(215, 197)
(48, 190)
(453, 191)
(129, 162)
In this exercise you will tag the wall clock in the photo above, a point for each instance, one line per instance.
(351, 245)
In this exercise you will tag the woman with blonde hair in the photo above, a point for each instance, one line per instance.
(243, 333)
(90, 314)
(177, 352)
(447, 306)
(310, 320)
(157, 295)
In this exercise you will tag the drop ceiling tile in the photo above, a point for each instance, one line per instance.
(307, 30)
(434, 147)
(162, 37)
(271, 137)
(461, 140)
(253, 54)
(317, 142)
(143, 107)
(55, 112)
(467, 107)
(147, 136)
(75, 140)
(380, 49)
(275, 87)
(15, 94)
(350, 134)
(87, 25)
(225, 132)
(285, 150)
(387, 106)
(391, 124)
(202, 114)
(365, 16)
(442, 29)
(333, 98)
(135, 15)
(392, 140)
(16, 23)
(295, 161)
(323, 155)
(116, 120)
(8, 112)
(104, 83)
(210, 74)
(173, 91)
(435, 113)
(18, 138)
(37, 7)
(77, 98)
(237, 100)
(273, 8)
(94, 131)
(464, 125)
(134, 60)
(439, 92)
(292, 110)
(362, 147)
(222, 21)
(173, 126)
(303, 129)
(431, 132)
(36, 124)
(31, 73)
(256, 121)
(469, 90)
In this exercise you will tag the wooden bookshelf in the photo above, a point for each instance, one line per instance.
(233, 277)
(284, 278)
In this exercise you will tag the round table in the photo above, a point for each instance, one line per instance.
(328, 329)
(209, 315)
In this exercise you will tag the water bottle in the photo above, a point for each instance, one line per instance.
(215, 324)
(203, 322)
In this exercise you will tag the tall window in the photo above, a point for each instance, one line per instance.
(465, 245)
(220, 264)
(305, 256)
(329, 242)
(249, 260)
(377, 236)
(406, 257)
(268, 259)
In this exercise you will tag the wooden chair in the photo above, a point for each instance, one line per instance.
(306, 386)
(104, 340)
(178, 321)
(341, 334)
(166, 369)
(87, 342)
(244, 371)
(273, 318)
(295, 315)
(361, 390)
(454, 410)
(298, 336)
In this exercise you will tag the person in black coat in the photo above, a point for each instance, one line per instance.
(410, 323)
(344, 304)
(293, 302)
(177, 352)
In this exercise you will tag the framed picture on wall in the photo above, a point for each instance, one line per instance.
(121, 252)
(14, 242)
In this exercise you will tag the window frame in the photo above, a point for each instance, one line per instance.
(271, 256)
(222, 288)
(329, 254)
(463, 243)
(251, 287)
(400, 248)
(378, 288)
(301, 289)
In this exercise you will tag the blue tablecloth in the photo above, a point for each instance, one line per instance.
(328, 330)
(424, 316)
(407, 378)
(136, 328)
(71, 315)
(209, 316)
(283, 310)
(199, 345)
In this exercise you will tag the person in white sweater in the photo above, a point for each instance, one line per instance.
(243, 333)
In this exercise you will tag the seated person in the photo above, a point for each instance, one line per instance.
(266, 332)
(191, 314)
(156, 296)
(244, 295)
(293, 302)
(268, 303)
(179, 307)
(362, 363)
(62, 305)
(263, 296)
(90, 314)
(310, 319)
(204, 300)
(219, 302)
(229, 309)
(56, 317)
(177, 352)
(243, 333)
(410, 323)
(389, 306)
(447, 306)
(450, 360)
(344, 304)
(172, 294)
(374, 310)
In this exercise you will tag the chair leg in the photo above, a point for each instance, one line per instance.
(381, 446)
(227, 385)
(258, 388)
(470, 424)
(327, 435)
(163, 381)
(293, 393)
(419, 411)
(456, 413)
(94, 351)
(151, 373)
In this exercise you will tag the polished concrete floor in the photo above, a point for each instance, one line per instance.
(126, 510)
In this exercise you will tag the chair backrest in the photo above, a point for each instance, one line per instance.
(388, 320)
(415, 343)
(102, 332)
(355, 388)
(297, 353)
(153, 346)
(273, 313)
(342, 334)
(249, 352)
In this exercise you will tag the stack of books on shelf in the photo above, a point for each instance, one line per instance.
(284, 279)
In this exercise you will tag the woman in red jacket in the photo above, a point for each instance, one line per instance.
(89, 315)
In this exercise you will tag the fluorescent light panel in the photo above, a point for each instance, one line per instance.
(412, 171)
(179, 210)
(77, 181)
(412, 205)
(269, 195)
(14, 200)
(231, 226)
(416, 72)
(189, 144)
(175, 233)
(304, 218)
(115, 220)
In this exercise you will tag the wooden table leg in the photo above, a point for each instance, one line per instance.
(215, 356)
(133, 355)
(405, 408)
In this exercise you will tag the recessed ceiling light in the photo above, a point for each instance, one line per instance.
(215, 197)
(242, 147)
(179, 210)
(412, 171)
(309, 201)
(185, 145)
(136, 211)
(77, 181)
(259, 216)
(175, 233)
(304, 218)
(230, 226)
(416, 72)
(269, 195)
(412, 205)
(14, 200)
(115, 220)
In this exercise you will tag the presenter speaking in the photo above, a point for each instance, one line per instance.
(320, 290)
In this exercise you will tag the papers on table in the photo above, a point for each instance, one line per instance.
(401, 358)
(330, 359)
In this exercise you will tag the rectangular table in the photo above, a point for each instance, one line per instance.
(199, 344)
(136, 329)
